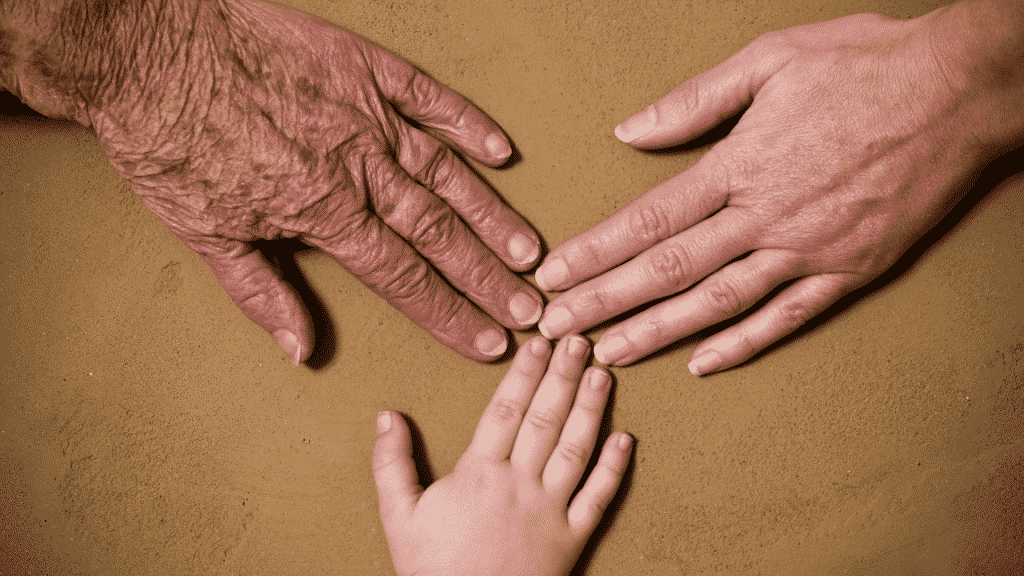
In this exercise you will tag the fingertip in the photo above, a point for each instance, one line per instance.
(638, 125)
(491, 343)
(624, 442)
(499, 148)
(383, 422)
(552, 274)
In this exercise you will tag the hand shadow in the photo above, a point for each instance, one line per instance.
(281, 255)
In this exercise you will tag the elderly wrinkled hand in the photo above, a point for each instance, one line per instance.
(860, 134)
(239, 120)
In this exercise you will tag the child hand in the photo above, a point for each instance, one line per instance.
(505, 508)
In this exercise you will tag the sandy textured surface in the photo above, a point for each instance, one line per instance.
(146, 427)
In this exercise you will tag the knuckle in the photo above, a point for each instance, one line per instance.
(573, 454)
(649, 225)
(544, 421)
(422, 88)
(794, 314)
(722, 297)
(437, 167)
(671, 265)
(507, 411)
(436, 229)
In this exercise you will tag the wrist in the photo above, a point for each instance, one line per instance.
(72, 58)
(979, 47)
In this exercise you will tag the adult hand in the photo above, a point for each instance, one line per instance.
(859, 135)
(505, 508)
(239, 120)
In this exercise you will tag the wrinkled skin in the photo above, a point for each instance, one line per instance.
(239, 120)
(505, 509)
(859, 136)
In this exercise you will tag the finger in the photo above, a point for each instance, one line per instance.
(499, 425)
(398, 487)
(426, 101)
(437, 233)
(702, 102)
(259, 292)
(382, 261)
(792, 308)
(660, 213)
(565, 468)
(662, 270)
(547, 412)
(437, 168)
(718, 297)
(593, 499)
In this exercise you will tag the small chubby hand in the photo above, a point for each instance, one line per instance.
(860, 134)
(505, 509)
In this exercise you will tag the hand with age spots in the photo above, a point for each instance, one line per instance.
(859, 136)
(505, 509)
(240, 120)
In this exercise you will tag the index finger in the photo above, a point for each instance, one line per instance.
(426, 101)
(662, 212)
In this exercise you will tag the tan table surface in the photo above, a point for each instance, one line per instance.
(146, 427)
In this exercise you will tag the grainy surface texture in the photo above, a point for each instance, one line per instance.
(146, 427)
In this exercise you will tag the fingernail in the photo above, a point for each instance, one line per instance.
(578, 347)
(599, 380)
(289, 343)
(625, 440)
(523, 248)
(525, 308)
(538, 346)
(498, 146)
(552, 274)
(555, 321)
(383, 422)
(707, 362)
(637, 125)
(611, 350)
(490, 342)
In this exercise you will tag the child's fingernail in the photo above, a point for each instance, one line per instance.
(599, 380)
(625, 440)
(552, 274)
(611, 350)
(538, 346)
(707, 362)
(636, 126)
(578, 347)
(383, 422)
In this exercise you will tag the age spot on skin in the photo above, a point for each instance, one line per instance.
(309, 89)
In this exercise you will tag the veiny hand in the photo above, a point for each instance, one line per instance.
(505, 508)
(859, 135)
(239, 120)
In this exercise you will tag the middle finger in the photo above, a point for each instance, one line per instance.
(546, 415)
(662, 270)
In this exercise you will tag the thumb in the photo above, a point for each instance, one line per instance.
(394, 471)
(704, 101)
(260, 293)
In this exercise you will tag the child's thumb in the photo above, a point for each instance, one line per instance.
(398, 486)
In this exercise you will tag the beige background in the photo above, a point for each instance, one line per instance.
(147, 428)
